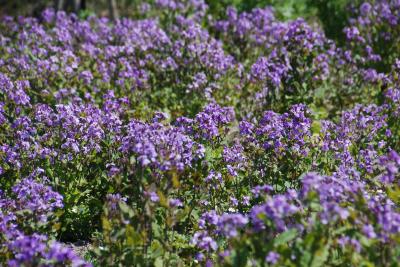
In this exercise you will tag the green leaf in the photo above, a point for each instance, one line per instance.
(285, 237)
(320, 256)
(305, 259)
(316, 127)
(132, 237)
(156, 249)
(341, 230)
(159, 262)
(124, 208)
(106, 224)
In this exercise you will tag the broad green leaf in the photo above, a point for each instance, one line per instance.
(159, 262)
(320, 256)
(285, 237)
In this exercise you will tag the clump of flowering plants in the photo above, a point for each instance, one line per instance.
(29, 209)
(373, 33)
(182, 137)
(331, 220)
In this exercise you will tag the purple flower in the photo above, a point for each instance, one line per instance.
(272, 257)
(204, 242)
(213, 178)
(41, 200)
(153, 196)
(113, 200)
(365, 8)
(211, 122)
(228, 224)
(369, 231)
(161, 147)
(175, 202)
(86, 76)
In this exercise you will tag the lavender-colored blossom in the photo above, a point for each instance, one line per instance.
(153, 196)
(272, 257)
(160, 146)
(204, 242)
(175, 202)
(228, 224)
(209, 124)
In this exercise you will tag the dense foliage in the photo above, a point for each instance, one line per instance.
(193, 134)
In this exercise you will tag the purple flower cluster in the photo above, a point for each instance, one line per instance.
(225, 224)
(61, 133)
(287, 133)
(159, 146)
(234, 158)
(31, 200)
(209, 124)
(363, 128)
(34, 250)
(247, 28)
(374, 31)
(329, 198)
(391, 164)
(37, 198)
(288, 58)
(77, 57)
